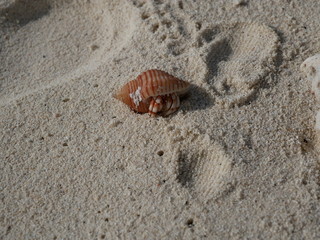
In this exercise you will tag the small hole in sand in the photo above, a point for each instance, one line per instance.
(199, 43)
(190, 222)
(145, 16)
(160, 153)
(198, 25)
(163, 37)
(167, 23)
(313, 70)
(95, 85)
(66, 100)
(158, 1)
(65, 144)
(141, 4)
(180, 4)
(106, 219)
(209, 34)
(174, 36)
(304, 180)
(155, 27)
(94, 47)
(103, 236)
(138, 4)
(175, 49)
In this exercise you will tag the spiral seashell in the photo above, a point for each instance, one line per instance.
(153, 91)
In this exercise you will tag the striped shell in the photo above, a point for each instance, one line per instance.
(138, 93)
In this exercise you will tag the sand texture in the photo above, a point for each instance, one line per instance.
(238, 160)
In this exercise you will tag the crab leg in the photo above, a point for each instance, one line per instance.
(172, 104)
(164, 105)
(156, 105)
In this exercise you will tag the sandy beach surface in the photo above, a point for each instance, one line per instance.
(238, 160)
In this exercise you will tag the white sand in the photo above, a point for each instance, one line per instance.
(239, 160)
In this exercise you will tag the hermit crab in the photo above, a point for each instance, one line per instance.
(154, 91)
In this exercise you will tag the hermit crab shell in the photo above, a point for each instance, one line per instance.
(138, 93)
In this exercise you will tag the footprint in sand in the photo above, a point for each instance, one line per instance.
(47, 42)
(232, 59)
(237, 59)
(202, 166)
(22, 12)
(165, 20)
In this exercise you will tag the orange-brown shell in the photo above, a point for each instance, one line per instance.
(137, 93)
